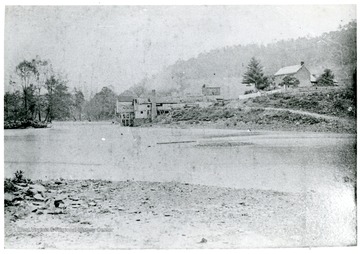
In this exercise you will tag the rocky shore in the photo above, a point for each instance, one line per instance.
(89, 214)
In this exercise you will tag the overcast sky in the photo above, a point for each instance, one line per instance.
(119, 45)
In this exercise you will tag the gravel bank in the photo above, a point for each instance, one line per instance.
(71, 214)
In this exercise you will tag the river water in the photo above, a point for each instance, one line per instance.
(282, 161)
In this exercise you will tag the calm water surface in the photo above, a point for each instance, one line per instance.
(284, 161)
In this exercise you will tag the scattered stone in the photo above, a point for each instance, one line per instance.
(84, 185)
(36, 203)
(121, 208)
(203, 240)
(85, 222)
(105, 211)
(58, 182)
(74, 220)
(75, 205)
(9, 197)
(18, 193)
(16, 215)
(39, 212)
(62, 205)
(59, 202)
(37, 188)
(137, 219)
(30, 192)
(92, 204)
(42, 208)
(167, 215)
(20, 188)
(17, 203)
(23, 184)
(32, 208)
(74, 198)
(56, 212)
(38, 197)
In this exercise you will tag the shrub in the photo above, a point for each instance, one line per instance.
(290, 81)
(19, 176)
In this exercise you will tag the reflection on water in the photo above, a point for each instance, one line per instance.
(284, 161)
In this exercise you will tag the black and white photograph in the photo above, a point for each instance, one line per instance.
(179, 126)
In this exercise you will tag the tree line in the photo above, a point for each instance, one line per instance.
(40, 94)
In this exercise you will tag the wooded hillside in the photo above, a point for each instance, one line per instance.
(335, 50)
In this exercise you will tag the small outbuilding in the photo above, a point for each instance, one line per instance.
(210, 90)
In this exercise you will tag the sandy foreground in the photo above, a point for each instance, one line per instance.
(89, 214)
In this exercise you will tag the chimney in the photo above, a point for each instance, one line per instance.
(153, 105)
(302, 63)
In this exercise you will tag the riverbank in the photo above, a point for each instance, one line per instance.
(71, 214)
(254, 119)
(23, 124)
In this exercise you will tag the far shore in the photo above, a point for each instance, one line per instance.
(345, 127)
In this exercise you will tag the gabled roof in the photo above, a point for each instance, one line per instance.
(288, 70)
(125, 99)
(143, 100)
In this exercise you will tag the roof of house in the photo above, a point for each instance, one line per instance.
(288, 70)
(143, 100)
(125, 99)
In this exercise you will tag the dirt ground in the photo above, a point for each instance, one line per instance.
(128, 214)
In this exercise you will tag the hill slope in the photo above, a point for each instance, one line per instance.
(325, 110)
(335, 50)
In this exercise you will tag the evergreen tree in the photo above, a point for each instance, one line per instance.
(255, 75)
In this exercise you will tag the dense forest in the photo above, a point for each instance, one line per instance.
(335, 50)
